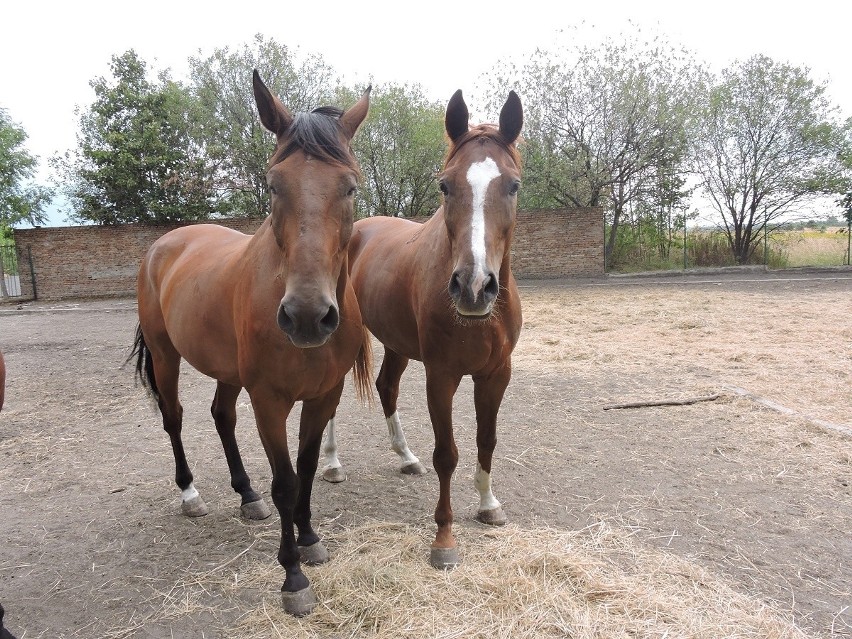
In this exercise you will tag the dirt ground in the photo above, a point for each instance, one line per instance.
(753, 485)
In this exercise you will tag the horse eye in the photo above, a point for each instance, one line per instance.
(272, 190)
(352, 191)
(513, 190)
(443, 187)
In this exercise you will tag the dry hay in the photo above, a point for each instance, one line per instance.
(513, 583)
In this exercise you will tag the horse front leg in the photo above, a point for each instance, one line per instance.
(270, 411)
(224, 411)
(316, 413)
(440, 389)
(487, 397)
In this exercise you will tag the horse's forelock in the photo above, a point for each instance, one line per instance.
(484, 132)
(317, 134)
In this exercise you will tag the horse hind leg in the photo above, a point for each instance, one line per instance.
(224, 414)
(332, 470)
(387, 384)
(166, 371)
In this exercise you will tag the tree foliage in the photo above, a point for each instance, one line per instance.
(136, 160)
(20, 200)
(766, 143)
(400, 149)
(605, 126)
(227, 125)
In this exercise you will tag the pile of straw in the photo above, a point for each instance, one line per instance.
(512, 583)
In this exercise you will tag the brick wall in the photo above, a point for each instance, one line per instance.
(102, 261)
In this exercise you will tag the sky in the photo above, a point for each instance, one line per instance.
(49, 51)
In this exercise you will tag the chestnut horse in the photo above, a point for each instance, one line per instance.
(443, 293)
(274, 313)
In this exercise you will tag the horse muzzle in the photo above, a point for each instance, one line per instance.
(474, 294)
(308, 325)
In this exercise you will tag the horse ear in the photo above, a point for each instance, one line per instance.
(511, 118)
(273, 114)
(456, 120)
(354, 116)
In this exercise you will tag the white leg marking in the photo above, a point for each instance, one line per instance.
(482, 481)
(329, 447)
(398, 443)
(189, 493)
(479, 176)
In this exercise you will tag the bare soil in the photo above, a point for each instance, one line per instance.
(753, 486)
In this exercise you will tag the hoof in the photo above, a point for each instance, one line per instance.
(493, 517)
(334, 475)
(194, 507)
(444, 558)
(313, 554)
(413, 469)
(256, 510)
(299, 603)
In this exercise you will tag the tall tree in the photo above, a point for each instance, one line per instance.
(603, 122)
(767, 143)
(228, 128)
(20, 200)
(135, 160)
(400, 149)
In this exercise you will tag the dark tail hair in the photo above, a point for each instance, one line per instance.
(144, 364)
(363, 370)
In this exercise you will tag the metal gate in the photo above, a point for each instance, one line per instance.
(10, 277)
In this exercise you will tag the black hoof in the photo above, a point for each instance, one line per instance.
(314, 554)
(299, 603)
(444, 558)
(256, 510)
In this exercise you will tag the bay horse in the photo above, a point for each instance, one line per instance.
(274, 313)
(443, 293)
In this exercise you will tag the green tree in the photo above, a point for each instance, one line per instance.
(136, 160)
(605, 126)
(227, 125)
(20, 200)
(400, 149)
(766, 143)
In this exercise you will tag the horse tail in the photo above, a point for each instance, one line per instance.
(363, 370)
(144, 364)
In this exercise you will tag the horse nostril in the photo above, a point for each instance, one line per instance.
(330, 321)
(455, 286)
(285, 322)
(492, 286)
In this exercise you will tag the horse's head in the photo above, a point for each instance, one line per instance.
(312, 177)
(480, 183)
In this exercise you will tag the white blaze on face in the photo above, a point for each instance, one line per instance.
(479, 176)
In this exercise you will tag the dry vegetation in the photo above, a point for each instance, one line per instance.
(810, 247)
